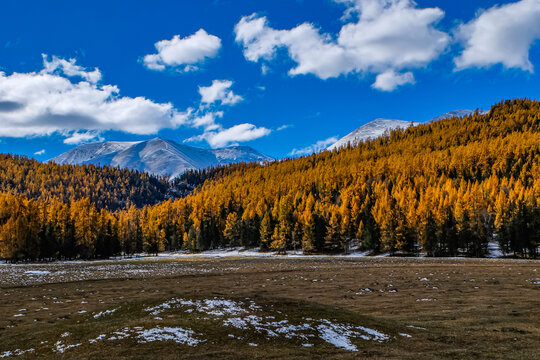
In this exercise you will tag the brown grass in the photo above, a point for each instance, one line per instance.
(487, 309)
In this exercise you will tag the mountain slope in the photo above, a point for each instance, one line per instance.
(377, 127)
(157, 156)
(455, 113)
(370, 130)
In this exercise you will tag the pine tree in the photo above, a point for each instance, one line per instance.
(266, 231)
(232, 231)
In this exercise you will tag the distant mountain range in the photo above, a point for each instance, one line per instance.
(157, 156)
(168, 158)
(377, 127)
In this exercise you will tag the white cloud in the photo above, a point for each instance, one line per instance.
(69, 68)
(184, 54)
(208, 120)
(40, 152)
(390, 80)
(284, 127)
(231, 136)
(388, 35)
(219, 92)
(77, 137)
(48, 102)
(318, 146)
(42, 103)
(501, 34)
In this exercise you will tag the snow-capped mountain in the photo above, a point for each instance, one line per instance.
(371, 130)
(377, 127)
(157, 156)
(454, 113)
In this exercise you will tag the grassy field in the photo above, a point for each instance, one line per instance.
(245, 308)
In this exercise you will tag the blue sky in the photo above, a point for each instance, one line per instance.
(275, 75)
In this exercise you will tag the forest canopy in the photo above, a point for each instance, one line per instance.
(445, 188)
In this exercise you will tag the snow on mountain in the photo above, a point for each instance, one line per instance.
(377, 127)
(234, 154)
(454, 113)
(370, 130)
(157, 156)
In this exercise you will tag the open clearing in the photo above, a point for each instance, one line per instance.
(243, 308)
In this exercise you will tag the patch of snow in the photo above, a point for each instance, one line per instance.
(337, 335)
(16, 352)
(358, 254)
(104, 313)
(37, 272)
(61, 348)
(178, 335)
(494, 250)
(340, 335)
(99, 338)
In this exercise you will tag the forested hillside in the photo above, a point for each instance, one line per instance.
(445, 188)
(106, 187)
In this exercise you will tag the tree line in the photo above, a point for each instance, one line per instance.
(446, 188)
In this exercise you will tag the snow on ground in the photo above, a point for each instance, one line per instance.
(247, 316)
(241, 315)
(70, 271)
(177, 334)
(60, 347)
(17, 352)
(104, 313)
(37, 272)
(416, 327)
(137, 266)
(217, 307)
(494, 250)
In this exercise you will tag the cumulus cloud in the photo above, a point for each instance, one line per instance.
(219, 92)
(231, 136)
(69, 68)
(500, 35)
(390, 80)
(386, 35)
(77, 137)
(315, 148)
(45, 102)
(207, 120)
(184, 54)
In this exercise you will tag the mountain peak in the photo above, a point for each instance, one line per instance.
(453, 113)
(371, 130)
(157, 156)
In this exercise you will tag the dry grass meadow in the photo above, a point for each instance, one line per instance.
(294, 308)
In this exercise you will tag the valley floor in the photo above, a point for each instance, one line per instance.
(271, 307)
